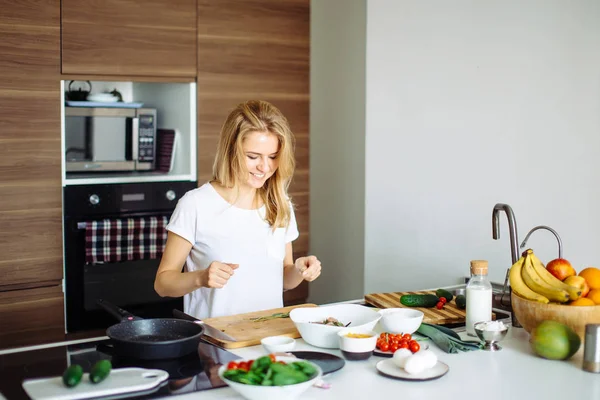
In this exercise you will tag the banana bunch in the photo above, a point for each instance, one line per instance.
(530, 279)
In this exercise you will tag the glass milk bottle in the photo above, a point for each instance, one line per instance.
(479, 296)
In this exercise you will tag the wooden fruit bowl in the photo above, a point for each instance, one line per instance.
(530, 313)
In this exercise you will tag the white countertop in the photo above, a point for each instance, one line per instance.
(511, 373)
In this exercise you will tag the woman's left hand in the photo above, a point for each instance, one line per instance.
(309, 267)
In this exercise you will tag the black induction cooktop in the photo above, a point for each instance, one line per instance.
(193, 373)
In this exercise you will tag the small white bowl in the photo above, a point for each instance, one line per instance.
(357, 348)
(400, 320)
(278, 344)
(306, 320)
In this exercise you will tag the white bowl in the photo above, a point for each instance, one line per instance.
(278, 344)
(289, 392)
(400, 320)
(357, 348)
(354, 315)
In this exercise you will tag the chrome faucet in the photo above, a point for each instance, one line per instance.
(560, 246)
(514, 248)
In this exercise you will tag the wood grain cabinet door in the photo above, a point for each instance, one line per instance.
(31, 299)
(129, 37)
(30, 156)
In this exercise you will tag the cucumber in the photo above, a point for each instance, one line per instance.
(72, 375)
(461, 301)
(419, 300)
(444, 293)
(100, 371)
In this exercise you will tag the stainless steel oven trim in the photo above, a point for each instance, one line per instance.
(79, 166)
(100, 112)
(135, 138)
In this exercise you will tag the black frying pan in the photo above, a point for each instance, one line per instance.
(151, 339)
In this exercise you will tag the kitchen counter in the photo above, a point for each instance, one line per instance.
(514, 372)
(511, 373)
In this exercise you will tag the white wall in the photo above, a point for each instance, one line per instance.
(337, 141)
(468, 104)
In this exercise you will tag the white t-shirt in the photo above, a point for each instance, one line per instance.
(222, 232)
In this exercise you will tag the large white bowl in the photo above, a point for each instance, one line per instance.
(288, 392)
(325, 336)
(400, 320)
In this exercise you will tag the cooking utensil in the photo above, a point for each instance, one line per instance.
(151, 339)
(120, 381)
(208, 330)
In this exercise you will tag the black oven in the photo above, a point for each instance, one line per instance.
(104, 260)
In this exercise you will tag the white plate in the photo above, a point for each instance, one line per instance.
(103, 98)
(379, 353)
(388, 368)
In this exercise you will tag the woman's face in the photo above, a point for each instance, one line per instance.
(261, 152)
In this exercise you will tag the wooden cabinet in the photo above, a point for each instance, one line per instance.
(30, 172)
(136, 38)
(31, 316)
(256, 49)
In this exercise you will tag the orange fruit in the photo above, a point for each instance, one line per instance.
(592, 277)
(584, 301)
(594, 295)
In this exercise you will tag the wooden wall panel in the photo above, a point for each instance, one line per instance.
(256, 49)
(129, 37)
(31, 299)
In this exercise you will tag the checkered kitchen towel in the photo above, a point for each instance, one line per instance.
(125, 239)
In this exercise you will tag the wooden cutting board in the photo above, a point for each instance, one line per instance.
(248, 332)
(450, 314)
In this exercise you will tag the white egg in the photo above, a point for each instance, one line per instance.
(400, 357)
(414, 364)
(429, 358)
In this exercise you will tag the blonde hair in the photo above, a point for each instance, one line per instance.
(229, 168)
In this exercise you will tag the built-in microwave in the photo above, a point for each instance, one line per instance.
(110, 139)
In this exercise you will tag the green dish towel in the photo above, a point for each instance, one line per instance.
(446, 339)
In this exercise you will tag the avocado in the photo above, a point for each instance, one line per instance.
(554, 341)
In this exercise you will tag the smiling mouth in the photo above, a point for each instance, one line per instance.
(260, 176)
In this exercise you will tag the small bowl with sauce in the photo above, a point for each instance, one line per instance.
(357, 344)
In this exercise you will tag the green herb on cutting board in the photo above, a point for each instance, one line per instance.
(272, 316)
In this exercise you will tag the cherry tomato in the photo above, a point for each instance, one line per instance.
(407, 336)
(272, 357)
(439, 305)
(385, 347)
(414, 346)
(443, 300)
(404, 345)
(394, 347)
(382, 335)
(232, 365)
(250, 364)
(243, 365)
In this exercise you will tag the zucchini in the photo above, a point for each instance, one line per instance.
(419, 300)
(444, 293)
(461, 301)
(72, 375)
(100, 371)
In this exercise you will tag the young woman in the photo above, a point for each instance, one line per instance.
(233, 235)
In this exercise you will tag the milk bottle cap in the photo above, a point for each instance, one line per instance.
(479, 267)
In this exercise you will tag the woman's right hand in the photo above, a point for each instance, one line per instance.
(217, 274)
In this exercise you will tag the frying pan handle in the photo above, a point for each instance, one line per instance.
(116, 312)
(181, 315)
